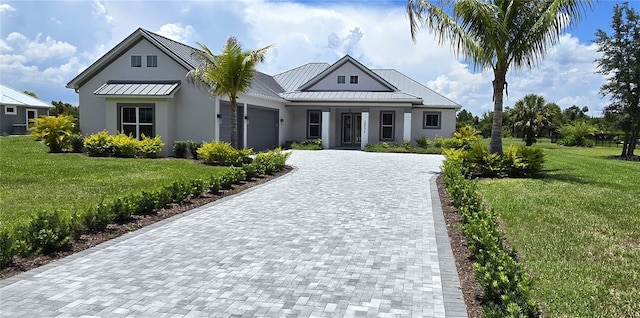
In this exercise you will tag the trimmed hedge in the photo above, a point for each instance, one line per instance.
(50, 231)
(506, 285)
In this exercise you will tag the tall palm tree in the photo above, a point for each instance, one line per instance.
(497, 34)
(229, 73)
(531, 117)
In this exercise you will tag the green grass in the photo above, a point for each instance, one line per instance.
(31, 179)
(577, 230)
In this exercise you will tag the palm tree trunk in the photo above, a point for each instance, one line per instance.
(495, 146)
(234, 122)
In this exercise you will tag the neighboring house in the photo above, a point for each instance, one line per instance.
(139, 87)
(17, 108)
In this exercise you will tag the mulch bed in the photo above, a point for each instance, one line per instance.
(471, 290)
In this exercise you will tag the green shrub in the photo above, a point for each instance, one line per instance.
(76, 142)
(47, 232)
(53, 131)
(124, 146)
(180, 149)
(424, 142)
(102, 144)
(309, 144)
(251, 170)
(99, 144)
(404, 147)
(271, 161)
(150, 147)
(506, 286)
(222, 153)
(96, 219)
(193, 148)
(7, 245)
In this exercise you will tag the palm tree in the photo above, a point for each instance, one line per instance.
(229, 73)
(531, 117)
(497, 34)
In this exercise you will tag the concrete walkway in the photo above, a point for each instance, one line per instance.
(347, 234)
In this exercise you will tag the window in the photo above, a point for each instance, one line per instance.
(10, 110)
(314, 124)
(353, 79)
(341, 79)
(136, 61)
(152, 61)
(431, 120)
(386, 125)
(137, 121)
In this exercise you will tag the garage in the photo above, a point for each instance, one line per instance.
(262, 128)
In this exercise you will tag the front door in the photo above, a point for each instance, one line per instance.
(31, 114)
(351, 129)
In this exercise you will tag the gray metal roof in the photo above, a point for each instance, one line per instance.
(292, 79)
(13, 97)
(408, 85)
(135, 88)
(179, 50)
(351, 96)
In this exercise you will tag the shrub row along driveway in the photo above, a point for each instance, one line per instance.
(347, 234)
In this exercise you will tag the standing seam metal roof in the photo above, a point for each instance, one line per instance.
(11, 96)
(117, 88)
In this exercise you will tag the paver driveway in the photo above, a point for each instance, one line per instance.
(347, 234)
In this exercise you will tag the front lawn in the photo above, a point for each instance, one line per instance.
(577, 230)
(32, 179)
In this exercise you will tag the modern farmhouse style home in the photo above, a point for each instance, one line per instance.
(17, 108)
(139, 87)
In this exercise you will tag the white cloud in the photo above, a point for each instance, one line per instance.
(38, 50)
(100, 10)
(56, 21)
(6, 8)
(177, 32)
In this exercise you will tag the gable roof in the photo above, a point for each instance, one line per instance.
(346, 59)
(13, 97)
(410, 86)
(179, 52)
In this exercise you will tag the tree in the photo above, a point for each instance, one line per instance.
(530, 117)
(574, 113)
(620, 62)
(465, 118)
(497, 34)
(30, 93)
(60, 108)
(229, 73)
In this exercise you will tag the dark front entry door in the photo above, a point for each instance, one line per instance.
(351, 129)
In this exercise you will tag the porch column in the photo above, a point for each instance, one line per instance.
(216, 118)
(325, 129)
(364, 129)
(407, 125)
(244, 126)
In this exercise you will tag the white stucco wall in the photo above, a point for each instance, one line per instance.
(447, 128)
(365, 81)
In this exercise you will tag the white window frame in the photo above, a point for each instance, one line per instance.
(137, 123)
(382, 125)
(137, 59)
(7, 112)
(154, 61)
(424, 120)
(353, 79)
(309, 124)
(341, 79)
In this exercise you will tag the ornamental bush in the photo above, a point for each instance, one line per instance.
(222, 153)
(102, 144)
(53, 131)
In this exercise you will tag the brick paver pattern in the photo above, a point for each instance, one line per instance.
(347, 234)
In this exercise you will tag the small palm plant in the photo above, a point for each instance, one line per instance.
(53, 131)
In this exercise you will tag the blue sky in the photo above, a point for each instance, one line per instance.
(45, 44)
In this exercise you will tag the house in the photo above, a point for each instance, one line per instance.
(139, 87)
(17, 108)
